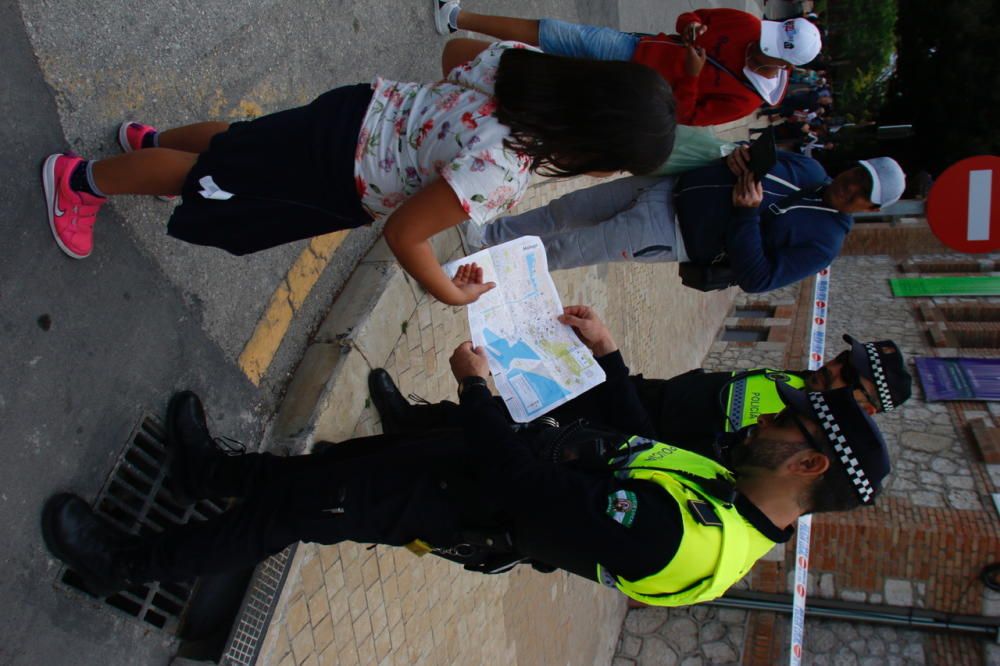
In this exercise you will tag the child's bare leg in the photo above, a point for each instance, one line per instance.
(501, 27)
(191, 138)
(158, 171)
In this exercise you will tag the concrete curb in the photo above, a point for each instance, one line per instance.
(329, 389)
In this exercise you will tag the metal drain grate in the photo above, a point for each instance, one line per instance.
(255, 614)
(136, 500)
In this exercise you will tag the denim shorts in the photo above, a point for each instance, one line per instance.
(585, 41)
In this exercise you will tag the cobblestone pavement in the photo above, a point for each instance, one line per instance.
(348, 604)
(684, 636)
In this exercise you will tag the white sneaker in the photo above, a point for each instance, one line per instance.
(473, 236)
(442, 14)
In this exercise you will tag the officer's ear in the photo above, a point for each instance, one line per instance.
(808, 463)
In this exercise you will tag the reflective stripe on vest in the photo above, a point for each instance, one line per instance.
(709, 558)
(755, 394)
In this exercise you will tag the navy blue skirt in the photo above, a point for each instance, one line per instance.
(291, 176)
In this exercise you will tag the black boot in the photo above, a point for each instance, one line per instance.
(392, 407)
(193, 452)
(90, 546)
(398, 415)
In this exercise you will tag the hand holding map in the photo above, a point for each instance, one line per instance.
(537, 362)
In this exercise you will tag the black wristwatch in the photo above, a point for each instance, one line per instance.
(469, 382)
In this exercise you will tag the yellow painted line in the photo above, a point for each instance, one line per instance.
(285, 302)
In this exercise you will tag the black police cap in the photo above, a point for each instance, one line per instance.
(881, 362)
(851, 434)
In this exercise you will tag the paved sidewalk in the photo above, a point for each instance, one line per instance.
(349, 604)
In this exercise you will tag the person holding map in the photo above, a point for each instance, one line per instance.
(663, 525)
(697, 410)
(424, 157)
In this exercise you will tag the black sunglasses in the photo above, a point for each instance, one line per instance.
(804, 430)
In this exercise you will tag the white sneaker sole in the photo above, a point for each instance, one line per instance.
(126, 148)
(49, 185)
(441, 24)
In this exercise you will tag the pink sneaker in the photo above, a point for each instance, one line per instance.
(130, 136)
(71, 214)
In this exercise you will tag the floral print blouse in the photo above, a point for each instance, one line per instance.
(415, 133)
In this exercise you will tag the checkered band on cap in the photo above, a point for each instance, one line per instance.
(878, 375)
(847, 458)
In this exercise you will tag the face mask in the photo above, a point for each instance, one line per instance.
(770, 89)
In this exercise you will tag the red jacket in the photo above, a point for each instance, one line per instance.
(713, 97)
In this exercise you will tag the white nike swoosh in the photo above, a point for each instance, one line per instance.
(56, 210)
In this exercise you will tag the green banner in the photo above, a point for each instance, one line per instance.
(986, 285)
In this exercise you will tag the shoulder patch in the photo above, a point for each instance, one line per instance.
(704, 513)
(622, 506)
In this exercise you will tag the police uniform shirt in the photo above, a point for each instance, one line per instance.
(687, 410)
(570, 518)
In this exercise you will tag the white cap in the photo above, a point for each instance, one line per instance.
(796, 40)
(888, 180)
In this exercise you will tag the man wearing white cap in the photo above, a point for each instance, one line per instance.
(757, 235)
(722, 64)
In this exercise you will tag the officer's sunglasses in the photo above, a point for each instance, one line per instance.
(852, 378)
(789, 416)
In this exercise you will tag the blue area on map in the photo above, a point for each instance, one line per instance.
(532, 273)
(548, 391)
(506, 353)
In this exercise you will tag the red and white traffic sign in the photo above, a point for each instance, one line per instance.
(963, 208)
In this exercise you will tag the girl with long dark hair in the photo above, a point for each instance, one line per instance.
(425, 156)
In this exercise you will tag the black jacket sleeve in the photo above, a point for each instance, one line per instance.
(559, 515)
(615, 403)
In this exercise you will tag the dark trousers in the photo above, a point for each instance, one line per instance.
(390, 498)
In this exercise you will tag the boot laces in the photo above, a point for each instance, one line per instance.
(229, 446)
(420, 400)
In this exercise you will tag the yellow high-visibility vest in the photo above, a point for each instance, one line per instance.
(752, 393)
(710, 557)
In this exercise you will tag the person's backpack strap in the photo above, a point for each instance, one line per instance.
(798, 193)
(676, 41)
(746, 84)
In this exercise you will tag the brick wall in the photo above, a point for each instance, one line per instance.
(729, 355)
(910, 237)
(934, 526)
(933, 529)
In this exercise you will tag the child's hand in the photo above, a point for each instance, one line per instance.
(469, 280)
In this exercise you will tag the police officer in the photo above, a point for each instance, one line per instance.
(692, 409)
(664, 525)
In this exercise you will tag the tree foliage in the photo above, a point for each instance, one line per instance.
(947, 81)
(860, 42)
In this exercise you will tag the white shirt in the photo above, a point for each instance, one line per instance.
(413, 134)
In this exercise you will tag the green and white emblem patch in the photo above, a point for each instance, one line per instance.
(622, 505)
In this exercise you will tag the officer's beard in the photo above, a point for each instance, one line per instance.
(728, 442)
